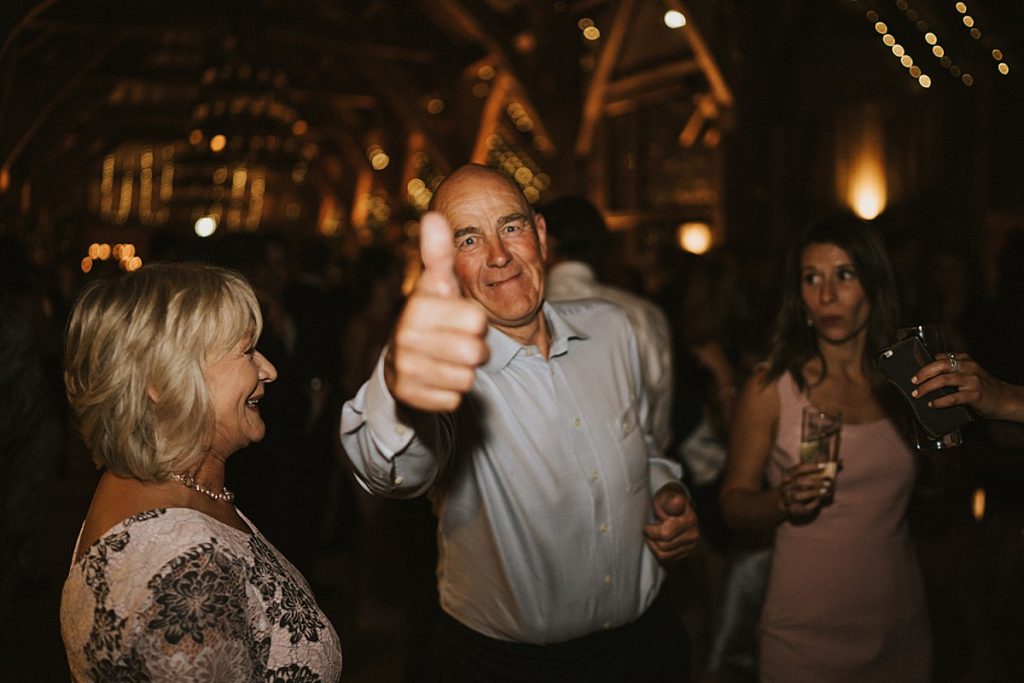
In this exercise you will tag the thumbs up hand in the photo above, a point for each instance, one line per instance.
(439, 340)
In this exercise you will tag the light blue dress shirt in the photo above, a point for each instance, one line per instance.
(541, 481)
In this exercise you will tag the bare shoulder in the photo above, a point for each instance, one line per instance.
(760, 388)
(758, 403)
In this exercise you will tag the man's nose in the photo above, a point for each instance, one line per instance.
(497, 255)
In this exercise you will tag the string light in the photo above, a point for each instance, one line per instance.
(970, 23)
(898, 51)
(124, 255)
(674, 19)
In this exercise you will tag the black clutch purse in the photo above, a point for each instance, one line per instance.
(899, 363)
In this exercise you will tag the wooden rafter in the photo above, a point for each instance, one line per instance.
(716, 81)
(594, 103)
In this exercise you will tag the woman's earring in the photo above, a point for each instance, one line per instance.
(810, 322)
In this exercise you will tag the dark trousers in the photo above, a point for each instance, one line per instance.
(652, 649)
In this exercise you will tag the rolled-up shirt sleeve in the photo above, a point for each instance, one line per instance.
(390, 454)
(662, 470)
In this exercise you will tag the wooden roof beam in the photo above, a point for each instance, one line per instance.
(596, 93)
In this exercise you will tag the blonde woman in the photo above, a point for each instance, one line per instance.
(170, 581)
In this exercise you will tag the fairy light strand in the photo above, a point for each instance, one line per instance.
(898, 50)
(971, 24)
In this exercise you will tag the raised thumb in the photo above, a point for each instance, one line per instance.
(437, 249)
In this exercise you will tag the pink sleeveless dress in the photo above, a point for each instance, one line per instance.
(845, 600)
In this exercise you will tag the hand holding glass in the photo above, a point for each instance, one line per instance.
(819, 438)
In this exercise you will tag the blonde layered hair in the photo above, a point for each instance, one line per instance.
(137, 347)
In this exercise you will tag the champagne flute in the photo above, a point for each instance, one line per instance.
(819, 438)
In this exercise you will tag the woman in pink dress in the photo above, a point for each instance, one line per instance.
(845, 600)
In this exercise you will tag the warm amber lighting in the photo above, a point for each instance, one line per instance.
(938, 51)
(924, 81)
(94, 250)
(485, 72)
(968, 21)
(206, 226)
(898, 50)
(967, 79)
(435, 105)
(881, 27)
(889, 39)
(300, 127)
(218, 143)
(867, 190)
(5, 179)
(134, 263)
(861, 166)
(978, 504)
(961, 7)
(585, 23)
(380, 161)
(195, 137)
(1004, 68)
(675, 19)
(694, 237)
(86, 264)
(591, 33)
(931, 38)
(104, 252)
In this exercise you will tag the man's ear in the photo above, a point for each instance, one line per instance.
(541, 226)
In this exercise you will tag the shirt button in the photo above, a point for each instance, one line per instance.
(398, 480)
(399, 429)
(603, 528)
(608, 579)
(576, 422)
(593, 476)
(625, 425)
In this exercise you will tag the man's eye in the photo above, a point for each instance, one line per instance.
(467, 242)
(511, 227)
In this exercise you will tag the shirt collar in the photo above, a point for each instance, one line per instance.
(504, 348)
(576, 270)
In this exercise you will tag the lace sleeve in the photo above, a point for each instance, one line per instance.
(194, 625)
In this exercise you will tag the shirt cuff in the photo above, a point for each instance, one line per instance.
(391, 434)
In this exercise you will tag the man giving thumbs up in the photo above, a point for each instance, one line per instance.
(524, 421)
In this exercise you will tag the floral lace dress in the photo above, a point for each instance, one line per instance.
(175, 595)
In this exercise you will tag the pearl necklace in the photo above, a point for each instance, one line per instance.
(187, 481)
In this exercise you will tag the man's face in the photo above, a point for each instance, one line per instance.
(500, 251)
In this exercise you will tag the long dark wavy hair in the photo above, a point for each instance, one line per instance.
(793, 341)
